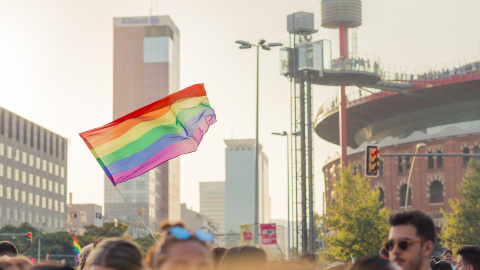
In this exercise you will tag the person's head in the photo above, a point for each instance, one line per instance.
(217, 255)
(180, 247)
(310, 258)
(411, 239)
(82, 257)
(468, 258)
(8, 249)
(299, 264)
(447, 255)
(116, 254)
(440, 265)
(373, 263)
(18, 262)
(244, 257)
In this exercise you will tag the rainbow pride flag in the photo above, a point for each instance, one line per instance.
(149, 136)
(76, 247)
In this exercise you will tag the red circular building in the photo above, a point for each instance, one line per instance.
(439, 109)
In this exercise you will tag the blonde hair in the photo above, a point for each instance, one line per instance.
(116, 253)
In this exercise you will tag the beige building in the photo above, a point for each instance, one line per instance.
(81, 215)
(146, 68)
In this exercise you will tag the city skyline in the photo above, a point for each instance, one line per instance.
(57, 71)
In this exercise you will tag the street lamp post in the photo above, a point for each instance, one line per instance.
(248, 45)
(410, 174)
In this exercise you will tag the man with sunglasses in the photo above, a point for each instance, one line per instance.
(468, 258)
(411, 240)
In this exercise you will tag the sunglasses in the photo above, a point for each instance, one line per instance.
(184, 234)
(403, 244)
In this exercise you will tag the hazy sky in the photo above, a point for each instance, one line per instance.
(56, 70)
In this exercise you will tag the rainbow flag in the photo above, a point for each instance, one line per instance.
(76, 247)
(149, 136)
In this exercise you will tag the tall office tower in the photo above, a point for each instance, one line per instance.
(240, 186)
(146, 68)
(33, 174)
(212, 205)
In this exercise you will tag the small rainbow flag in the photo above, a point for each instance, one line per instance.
(149, 136)
(76, 247)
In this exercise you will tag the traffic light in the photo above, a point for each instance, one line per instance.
(29, 237)
(372, 158)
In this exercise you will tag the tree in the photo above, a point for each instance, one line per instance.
(356, 222)
(463, 222)
(146, 242)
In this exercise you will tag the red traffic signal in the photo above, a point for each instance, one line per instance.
(29, 237)
(47, 257)
(372, 159)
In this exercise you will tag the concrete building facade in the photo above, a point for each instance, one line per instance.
(81, 215)
(33, 174)
(146, 68)
(197, 221)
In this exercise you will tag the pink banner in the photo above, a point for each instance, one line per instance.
(269, 233)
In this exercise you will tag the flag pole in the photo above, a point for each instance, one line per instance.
(136, 214)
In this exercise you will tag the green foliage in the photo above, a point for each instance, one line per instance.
(356, 223)
(463, 222)
(108, 230)
(146, 242)
(57, 243)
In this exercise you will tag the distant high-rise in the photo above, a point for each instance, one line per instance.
(240, 186)
(33, 174)
(212, 205)
(146, 68)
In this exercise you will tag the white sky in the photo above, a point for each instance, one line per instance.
(56, 70)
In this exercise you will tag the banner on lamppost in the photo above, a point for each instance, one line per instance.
(269, 233)
(246, 235)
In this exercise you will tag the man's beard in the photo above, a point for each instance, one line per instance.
(415, 264)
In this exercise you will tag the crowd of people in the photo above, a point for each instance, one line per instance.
(409, 246)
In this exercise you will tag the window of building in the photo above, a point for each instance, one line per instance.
(50, 167)
(408, 164)
(9, 152)
(44, 202)
(44, 184)
(24, 132)
(1, 170)
(98, 215)
(56, 187)
(439, 160)
(381, 197)
(73, 215)
(400, 165)
(31, 135)
(7, 213)
(17, 155)
(37, 220)
(38, 182)
(430, 162)
(37, 200)
(62, 189)
(15, 194)
(436, 192)
(50, 204)
(24, 177)
(56, 146)
(24, 158)
(62, 172)
(466, 159)
(9, 172)
(30, 179)
(17, 128)
(16, 175)
(55, 205)
(15, 214)
(51, 143)
(44, 163)
(31, 160)
(476, 150)
(38, 137)
(44, 141)
(1, 191)
(38, 163)
(24, 196)
(56, 170)
(2, 149)
(50, 185)
(10, 125)
(403, 193)
(30, 198)
(62, 207)
(1, 211)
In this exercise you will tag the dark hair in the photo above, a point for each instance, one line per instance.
(423, 223)
(310, 258)
(244, 258)
(440, 265)
(51, 267)
(217, 255)
(116, 253)
(7, 248)
(372, 263)
(446, 251)
(158, 254)
(471, 255)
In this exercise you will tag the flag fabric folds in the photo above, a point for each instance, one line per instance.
(76, 247)
(149, 136)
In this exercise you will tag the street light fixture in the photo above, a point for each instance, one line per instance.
(410, 174)
(247, 45)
